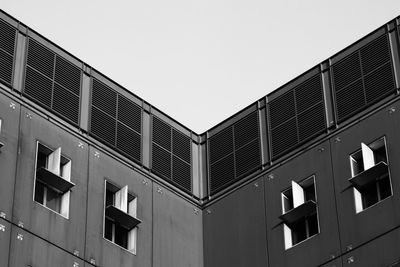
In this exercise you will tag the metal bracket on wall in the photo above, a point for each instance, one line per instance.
(80, 145)
(270, 176)
(196, 211)
(28, 115)
(92, 261)
(96, 154)
(350, 260)
(391, 110)
(12, 105)
(20, 237)
(321, 149)
(256, 185)
(145, 182)
(159, 190)
(2, 228)
(2, 214)
(75, 264)
(76, 253)
(20, 224)
(337, 140)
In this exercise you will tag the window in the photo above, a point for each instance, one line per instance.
(52, 179)
(370, 174)
(299, 212)
(120, 222)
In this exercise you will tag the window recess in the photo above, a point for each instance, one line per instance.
(370, 174)
(120, 217)
(299, 212)
(53, 179)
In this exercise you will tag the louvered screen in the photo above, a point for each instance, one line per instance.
(363, 77)
(234, 152)
(296, 116)
(116, 120)
(171, 154)
(7, 48)
(52, 81)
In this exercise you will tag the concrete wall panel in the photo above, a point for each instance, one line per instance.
(321, 247)
(177, 231)
(235, 229)
(29, 250)
(68, 233)
(357, 228)
(102, 251)
(9, 116)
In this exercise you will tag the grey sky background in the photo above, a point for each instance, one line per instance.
(201, 61)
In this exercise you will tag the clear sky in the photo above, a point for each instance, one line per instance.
(201, 61)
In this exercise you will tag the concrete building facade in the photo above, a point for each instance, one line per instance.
(93, 175)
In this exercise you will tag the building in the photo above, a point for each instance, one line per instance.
(93, 175)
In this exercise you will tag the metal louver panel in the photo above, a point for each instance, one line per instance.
(221, 144)
(68, 76)
(284, 137)
(237, 145)
(122, 119)
(282, 109)
(305, 120)
(363, 77)
(222, 173)
(7, 40)
(104, 98)
(181, 146)
(103, 126)
(52, 81)
(171, 154)
(246, 130)
(40, 58)
(379, 82)
(311, 121)
(129, 114)
(161, 161)
(248, 158)
(161, 133)
(129, 142)
(7, 47)
(181, 173)
(66, 103)
(38, 86)
(346, 71)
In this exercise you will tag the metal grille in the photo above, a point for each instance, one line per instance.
(123, 119)
(171, 154)
(129, 113)
(52, 81)
(363, 77)
(234, 152)
(297, 116)
(222, 173)
(129, 142)
(103, 126)
(161, 161)
(181, 173)
(162, 133)
(7, 48)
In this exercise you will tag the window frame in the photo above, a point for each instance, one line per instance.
(135, 230)
(35, 180)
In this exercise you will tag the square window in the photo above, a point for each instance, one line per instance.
(299, 212)
(120, 222)
(52, 179)
(370, 174)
